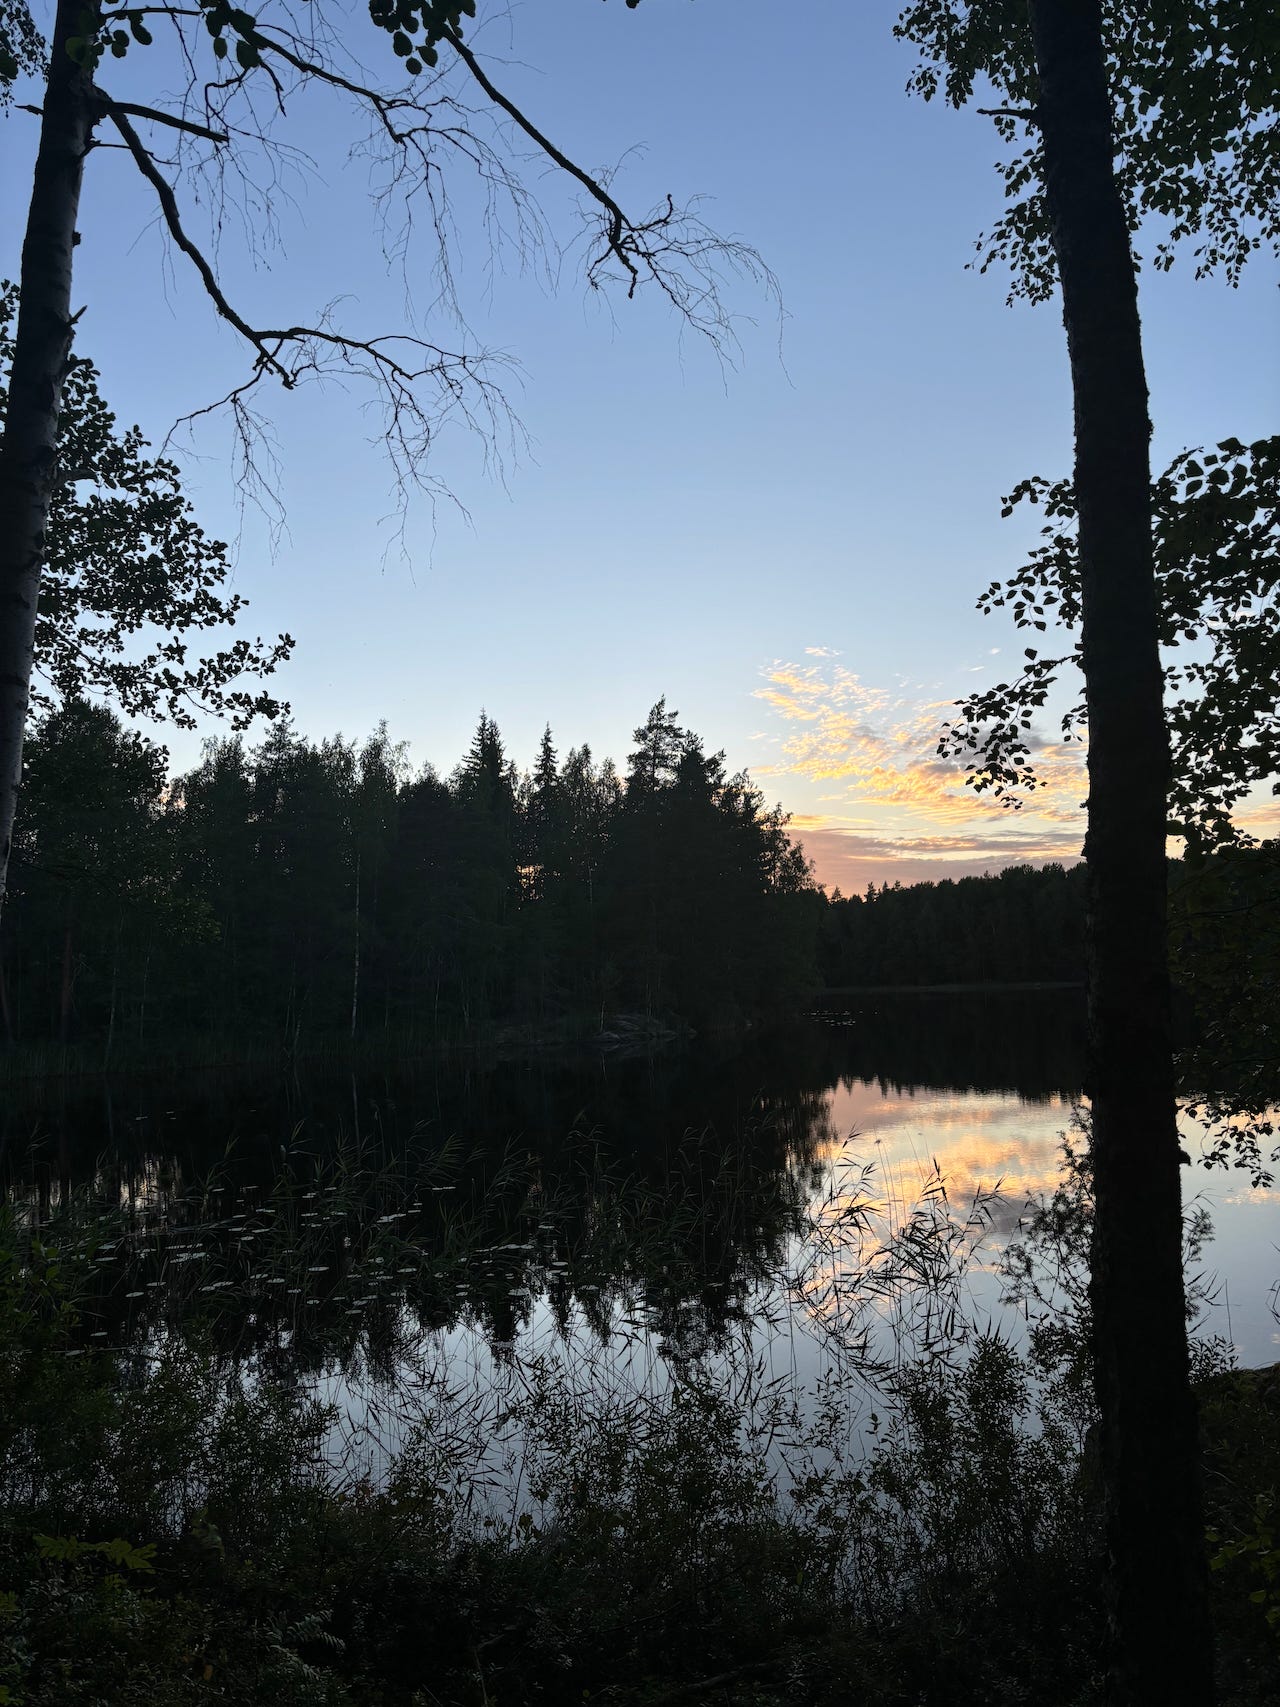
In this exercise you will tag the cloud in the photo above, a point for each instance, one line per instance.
(884, 749)
(1260, 818)
(848, 861)
(907, 808)
(821, 652)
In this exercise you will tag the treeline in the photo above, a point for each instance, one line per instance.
(296, 891)
(300, 890)
(1023, 925)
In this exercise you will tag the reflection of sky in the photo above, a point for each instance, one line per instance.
(886, 1147)
(981, 1140)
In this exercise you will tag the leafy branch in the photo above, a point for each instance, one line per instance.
(1217, 559)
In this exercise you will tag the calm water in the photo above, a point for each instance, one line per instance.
(441, 1223)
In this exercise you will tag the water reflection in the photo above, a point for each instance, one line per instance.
(327, 1226)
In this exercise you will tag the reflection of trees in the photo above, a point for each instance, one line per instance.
(1031, 1043)
(321, 1226)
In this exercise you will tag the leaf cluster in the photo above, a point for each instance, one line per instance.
(22, 48)
(1216, 539)
(132, 583)
(1196, 108)
(417, 27)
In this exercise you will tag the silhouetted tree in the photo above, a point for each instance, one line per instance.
(1186, 91)
(132, 585)
(94, 881)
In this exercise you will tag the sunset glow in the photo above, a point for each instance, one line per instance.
(878, 801)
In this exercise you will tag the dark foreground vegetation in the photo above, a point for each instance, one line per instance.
(185, 1521)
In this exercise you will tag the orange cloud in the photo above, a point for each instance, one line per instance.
(908, 805)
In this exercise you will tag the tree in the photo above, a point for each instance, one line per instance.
(93, 868)
(217, 854)
(660, 745)
(1216, 554)
(379, 775)
(1216, 541)
(1177, 91)
(445, 106)
(124, 558)
(543, 854)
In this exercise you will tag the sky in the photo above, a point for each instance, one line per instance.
(785, 540)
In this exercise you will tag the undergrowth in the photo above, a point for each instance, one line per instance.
(920, 1529)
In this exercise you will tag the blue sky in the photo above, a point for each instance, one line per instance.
(788, 550)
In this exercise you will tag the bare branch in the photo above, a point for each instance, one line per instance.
(383, 104)
(111, 106)
(618, 223)
(172, 218)
(673, 248)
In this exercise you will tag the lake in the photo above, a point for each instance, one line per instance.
(434, 1228)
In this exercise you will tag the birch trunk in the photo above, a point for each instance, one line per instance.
(42, 346)
(1154, 1525)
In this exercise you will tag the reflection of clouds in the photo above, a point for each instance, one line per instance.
(993, 1133)
(1256, 1200)
(977, 1142)
(896, 1141)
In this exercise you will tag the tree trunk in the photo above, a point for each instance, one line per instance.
(42, 347)
(67, 984)
(6, 1014)
(355, 969)
(1155, 1534)
(115, 985)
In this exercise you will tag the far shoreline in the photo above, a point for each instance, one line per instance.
(970, 989)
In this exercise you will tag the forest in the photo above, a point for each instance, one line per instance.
(287, 896)
(297, 892)
(506, 1235)
(1024, 924)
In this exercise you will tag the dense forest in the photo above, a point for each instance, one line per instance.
(294, 891)
(298, 890)
(1024, 924)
